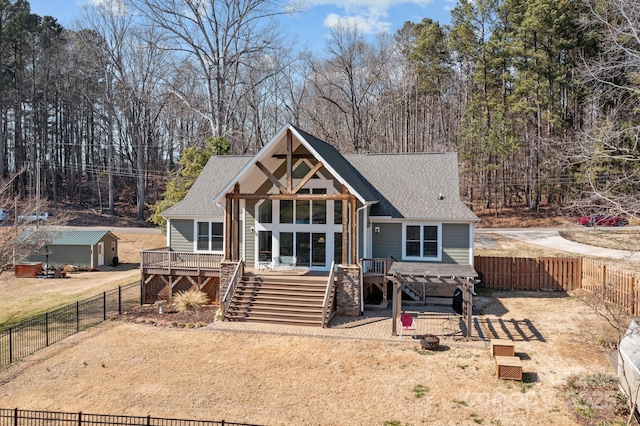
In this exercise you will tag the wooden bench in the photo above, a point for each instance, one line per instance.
(509, 367)
(502, 347)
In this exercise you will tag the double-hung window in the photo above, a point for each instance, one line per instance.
(422, 242)
(210, 236)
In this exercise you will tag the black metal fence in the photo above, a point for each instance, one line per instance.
(43, 330)
(15, 417)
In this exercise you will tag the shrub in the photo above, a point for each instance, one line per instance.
(191, 300)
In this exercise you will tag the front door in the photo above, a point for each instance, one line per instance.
(309, 248)
(101, 253)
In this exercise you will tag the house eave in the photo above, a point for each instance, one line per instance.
(220, 198)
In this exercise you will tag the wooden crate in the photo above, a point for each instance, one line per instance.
(502, 347)
(509, 367)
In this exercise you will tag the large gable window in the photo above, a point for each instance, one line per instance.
(210, 236)
(421, 242)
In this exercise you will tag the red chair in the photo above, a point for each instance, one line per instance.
(407, 324)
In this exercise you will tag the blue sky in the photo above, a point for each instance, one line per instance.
(315, 19)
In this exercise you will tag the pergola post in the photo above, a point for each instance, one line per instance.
(396, 305)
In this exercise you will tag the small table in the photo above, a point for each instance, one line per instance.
(502, 347)
(509, 367)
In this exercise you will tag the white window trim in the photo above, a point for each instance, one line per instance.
(195, 235)
(276, 227)
(437, 258)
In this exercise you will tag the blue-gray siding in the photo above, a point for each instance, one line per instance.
(455, 242)
(250, 242)
(181, 235)
(387, 242)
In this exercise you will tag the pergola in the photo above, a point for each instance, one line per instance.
(463, 276)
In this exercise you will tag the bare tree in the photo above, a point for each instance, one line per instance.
(608, 155)
(225, 40)
(347, 85)
(133, 88)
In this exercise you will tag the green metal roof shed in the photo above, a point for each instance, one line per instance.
(83, 249)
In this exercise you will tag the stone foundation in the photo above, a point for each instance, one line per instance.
(348, 290)
(226, 273)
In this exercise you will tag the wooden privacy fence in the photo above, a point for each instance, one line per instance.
(530, 274)
(612, 285)
(616, 286)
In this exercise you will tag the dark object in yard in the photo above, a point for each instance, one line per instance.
(115, 261)
(457, 301)
(429, 342)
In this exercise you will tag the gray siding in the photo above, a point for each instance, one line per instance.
(181, 235)
(250, 240)
(108, 254)
(59, 256)
(455, 243)
(387, 242)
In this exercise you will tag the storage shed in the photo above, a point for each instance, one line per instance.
(83, 249)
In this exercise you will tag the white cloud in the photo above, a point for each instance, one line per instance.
(117, 7)
(367, 24)
(370, 16)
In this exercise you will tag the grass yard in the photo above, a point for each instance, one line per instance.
(122, 367)
(206, 373)
(22, 298)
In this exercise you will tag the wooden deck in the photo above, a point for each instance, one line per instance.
(167, 262)
(165, 272)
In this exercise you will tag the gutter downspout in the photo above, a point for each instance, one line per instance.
(364, 247)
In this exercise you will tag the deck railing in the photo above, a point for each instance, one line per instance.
(374, 267)
(169, 260)
(231, 289)
(327, 303)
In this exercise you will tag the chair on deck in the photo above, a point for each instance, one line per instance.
(407, 324)
(284, 262)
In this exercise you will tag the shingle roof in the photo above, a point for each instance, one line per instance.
(66, 238)
(416, 185)
(340, 164)
(397, 185)
(217, 173)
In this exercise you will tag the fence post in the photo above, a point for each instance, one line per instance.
(605, 296)
(104, 305)
(15, 416)
(119, 299)
(148, 419)
(80, 418)
(46, 328)
(78, 317)
(10, 345)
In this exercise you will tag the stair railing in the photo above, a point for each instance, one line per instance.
(231, 288)
(327, 303)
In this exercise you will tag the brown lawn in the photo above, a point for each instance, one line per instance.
(209, 373)
(204, 373)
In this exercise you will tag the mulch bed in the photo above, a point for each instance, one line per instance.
(150, 314)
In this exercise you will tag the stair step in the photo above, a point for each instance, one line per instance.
(281, 321)
(280, 294)
(276, 318)
(302, 303)
(247, 307)
(275, 299)
(297, 286)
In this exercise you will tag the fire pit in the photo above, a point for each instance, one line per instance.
(429, 342)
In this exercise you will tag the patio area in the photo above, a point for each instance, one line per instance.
(372, 325)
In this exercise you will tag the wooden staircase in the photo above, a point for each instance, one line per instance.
(279, 299)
